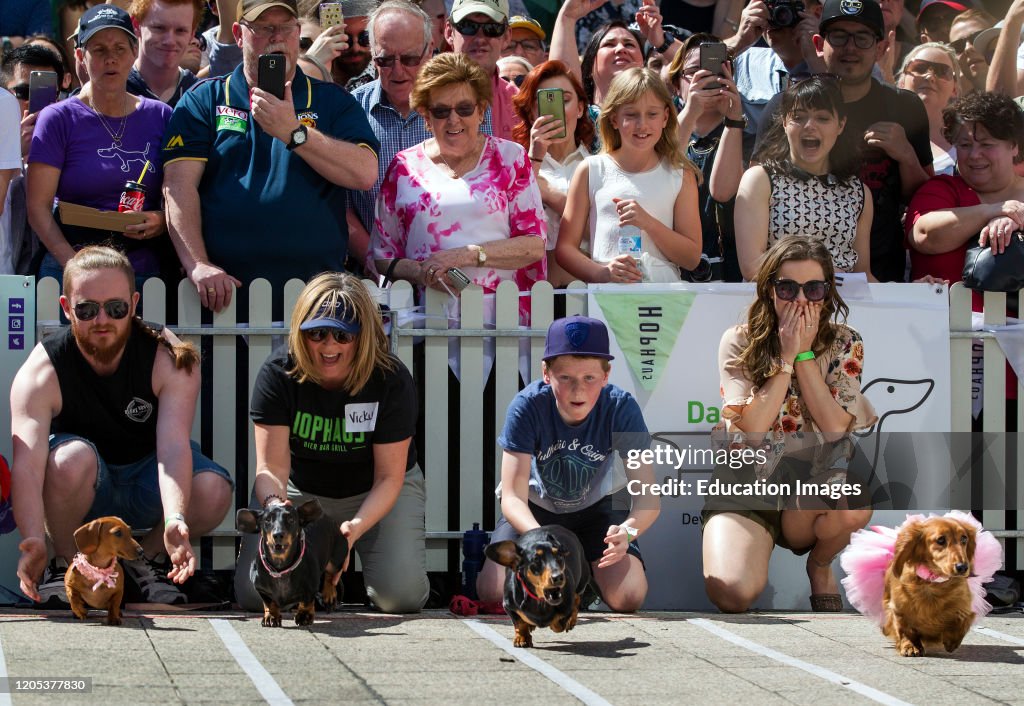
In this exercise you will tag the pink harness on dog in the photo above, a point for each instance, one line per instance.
(282, 572)
(107, 576)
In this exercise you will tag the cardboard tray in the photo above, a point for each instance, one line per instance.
(75, 215)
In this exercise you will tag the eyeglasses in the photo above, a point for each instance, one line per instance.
(316, 335)
(920, 67)
(268, 31)
(88, 310)
(524, 44)
(441, 112)
(516, 80)
(20, 91)
(385, 61)
(787, 290)
(305, 43)
(862, 40)
(362, 39)
(959, 45)
(469, 28)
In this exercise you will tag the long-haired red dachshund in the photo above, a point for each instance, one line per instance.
(927, 598)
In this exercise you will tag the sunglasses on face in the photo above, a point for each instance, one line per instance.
(20, 91)
(469, 28)
(441, 112)
(517, 80)
(787, 290)
(305, 43)
(862, 40)
(316, 335)
(959, 45)
(920, 67)
(88, 310)
(409, 61)
(362, 39)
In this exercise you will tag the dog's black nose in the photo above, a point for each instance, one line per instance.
(961, 568)
(557, 578)
(278, 536)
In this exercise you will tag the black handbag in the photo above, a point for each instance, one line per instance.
(996, 273)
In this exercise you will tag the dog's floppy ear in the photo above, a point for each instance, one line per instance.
(907, 547)
(505, 553)
(87, 537)
(310, 511)
(972, 540)
(248, 521)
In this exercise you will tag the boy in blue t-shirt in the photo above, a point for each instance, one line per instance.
(558, 465)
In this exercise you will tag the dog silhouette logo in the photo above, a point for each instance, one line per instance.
(126, 156)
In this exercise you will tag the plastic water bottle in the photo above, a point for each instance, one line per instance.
(629, 242)
(473, 543)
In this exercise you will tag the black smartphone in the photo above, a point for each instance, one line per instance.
(271, 74)
(551, 101)
(712, 56)
(42, 90)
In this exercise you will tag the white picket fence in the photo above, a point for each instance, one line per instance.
(472, 480)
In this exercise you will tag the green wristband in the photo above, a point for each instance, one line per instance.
(806, 355)
(174, 517)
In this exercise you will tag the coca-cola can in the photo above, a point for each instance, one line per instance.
(132, 198)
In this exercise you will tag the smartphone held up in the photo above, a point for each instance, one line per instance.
(551, 101)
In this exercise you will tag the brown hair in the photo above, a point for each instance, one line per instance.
(101, 257)
(344, 292)
(140, 8)
(758, 358)
(524, 103)
(449, 69)
(998, 114)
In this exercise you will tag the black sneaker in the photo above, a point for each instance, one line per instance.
(51, 589)
(150, 577)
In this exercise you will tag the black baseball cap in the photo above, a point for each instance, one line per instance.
(865, 12)
(577, 335)
(100, 17)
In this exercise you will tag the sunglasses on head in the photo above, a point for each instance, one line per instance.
(469, 28)
(920, 67)
(20, 91)
(316, 335)
(441, 112)
(959, 45)
(88, 310)
(787, 290)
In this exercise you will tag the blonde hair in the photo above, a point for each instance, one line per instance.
(449, 69)
(629, 87)
(93, 258)
(340, 291)
(945, 49)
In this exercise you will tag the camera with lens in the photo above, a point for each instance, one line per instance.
(784, 13)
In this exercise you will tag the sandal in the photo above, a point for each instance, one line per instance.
(826, 603)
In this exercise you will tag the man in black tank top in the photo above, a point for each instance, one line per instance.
(101, 415)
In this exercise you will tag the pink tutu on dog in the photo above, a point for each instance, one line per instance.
(871, 551)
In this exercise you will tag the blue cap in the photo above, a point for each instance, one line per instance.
(332, 315)
(577, 335)
(100, 17)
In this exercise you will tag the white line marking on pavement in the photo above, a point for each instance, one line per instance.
(536, 663)
(261, 679)
(826, 674)
(1000, 635)
(5, 697)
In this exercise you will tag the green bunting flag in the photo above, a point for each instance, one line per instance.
(646, 327)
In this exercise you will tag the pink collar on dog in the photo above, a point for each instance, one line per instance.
(282, 572)
(923, 572)
(106, 576)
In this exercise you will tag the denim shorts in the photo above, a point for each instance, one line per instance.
(132, 491)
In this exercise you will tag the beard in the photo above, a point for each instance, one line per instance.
(103, 354)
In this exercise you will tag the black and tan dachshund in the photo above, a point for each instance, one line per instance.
(300, 552)
(547, 572)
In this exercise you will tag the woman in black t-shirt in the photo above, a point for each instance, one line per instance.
(334, 418)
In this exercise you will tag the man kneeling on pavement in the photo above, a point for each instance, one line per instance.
(101, 414)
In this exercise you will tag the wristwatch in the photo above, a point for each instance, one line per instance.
(781, 366)
(669, 38)
(740, 123)
(481, 256)
(298, 137)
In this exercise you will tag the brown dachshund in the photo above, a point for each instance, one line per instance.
(927, 598)
(95, 578)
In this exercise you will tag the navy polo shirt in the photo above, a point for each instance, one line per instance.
(265, 211)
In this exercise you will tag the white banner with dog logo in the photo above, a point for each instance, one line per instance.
(665, 342)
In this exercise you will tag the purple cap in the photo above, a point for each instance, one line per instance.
(577, 335)
(332, 315)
